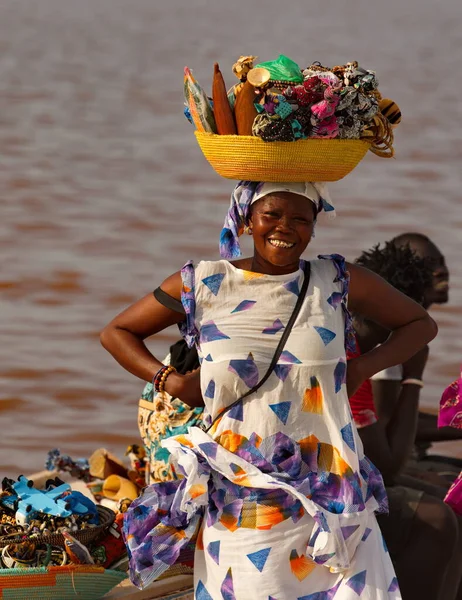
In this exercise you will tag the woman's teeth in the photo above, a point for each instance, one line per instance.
(281, 244)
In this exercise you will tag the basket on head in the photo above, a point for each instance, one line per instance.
(50, 583)
(86, 536)
(249, 158)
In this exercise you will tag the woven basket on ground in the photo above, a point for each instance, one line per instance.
(106, 518)
(58, 583)
(249, 158)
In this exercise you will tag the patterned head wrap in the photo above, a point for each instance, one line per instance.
(247, 192)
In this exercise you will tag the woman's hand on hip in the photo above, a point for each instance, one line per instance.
(186, 387)
(410, 325)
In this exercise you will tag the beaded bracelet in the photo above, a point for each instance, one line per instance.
(161, 377)
(157, 376)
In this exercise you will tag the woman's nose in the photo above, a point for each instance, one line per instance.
(284, 224)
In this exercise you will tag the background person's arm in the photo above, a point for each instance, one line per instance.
(389, 442)
(428, 430)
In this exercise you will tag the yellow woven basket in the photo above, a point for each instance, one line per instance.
(251, 159)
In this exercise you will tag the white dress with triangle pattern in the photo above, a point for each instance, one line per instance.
(289, 497)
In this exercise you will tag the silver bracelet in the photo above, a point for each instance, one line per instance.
(413, 381)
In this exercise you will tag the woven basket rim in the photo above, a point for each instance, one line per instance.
(258, 141)
(106, 515)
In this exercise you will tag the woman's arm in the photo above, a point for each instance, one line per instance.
(389, 395)
(388, 443)
(124, 338)
(410, 325)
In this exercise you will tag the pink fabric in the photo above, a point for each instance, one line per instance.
(454, 495)
(450, 415)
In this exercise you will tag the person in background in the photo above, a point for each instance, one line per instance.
(387, 382)
(421, 531)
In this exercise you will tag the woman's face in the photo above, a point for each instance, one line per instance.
(282, 225)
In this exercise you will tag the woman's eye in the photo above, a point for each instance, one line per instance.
(270, 213)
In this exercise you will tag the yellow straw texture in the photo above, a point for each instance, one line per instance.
(250, 158)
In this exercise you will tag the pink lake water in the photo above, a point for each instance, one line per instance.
(104, 191)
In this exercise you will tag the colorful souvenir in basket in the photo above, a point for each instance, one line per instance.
(282, 123)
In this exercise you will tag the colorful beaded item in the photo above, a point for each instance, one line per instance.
(161, 377)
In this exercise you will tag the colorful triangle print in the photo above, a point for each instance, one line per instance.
(281, 410)
(327, 595)
(230, 515)
(202, 593)
(209, 449)
(292, 286)
(227, 588)
(213, 282)
(347, 435)
(312, 398)
(326, 334)
(258, 559)
(214, 550)
(314, 537)
(335, 299)
(246, 369)
(211, 333)
(200, 539)
(288, 357)
(249, 275)
(237, 412)
(358, 582)
(339, 375)
(323, 558)
(301, 566)
(394, 587)
(366, 534)
(275, 328)
(237, 469)
(321, 519)
(210, 391)
(208, 358)
(244, 305)
(281, 371)
(348, 531)
(197, 490)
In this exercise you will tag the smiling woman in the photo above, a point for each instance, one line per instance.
(280, 477)
(282, 225)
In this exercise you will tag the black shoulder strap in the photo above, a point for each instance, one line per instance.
(280, 346)
(168, 301)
